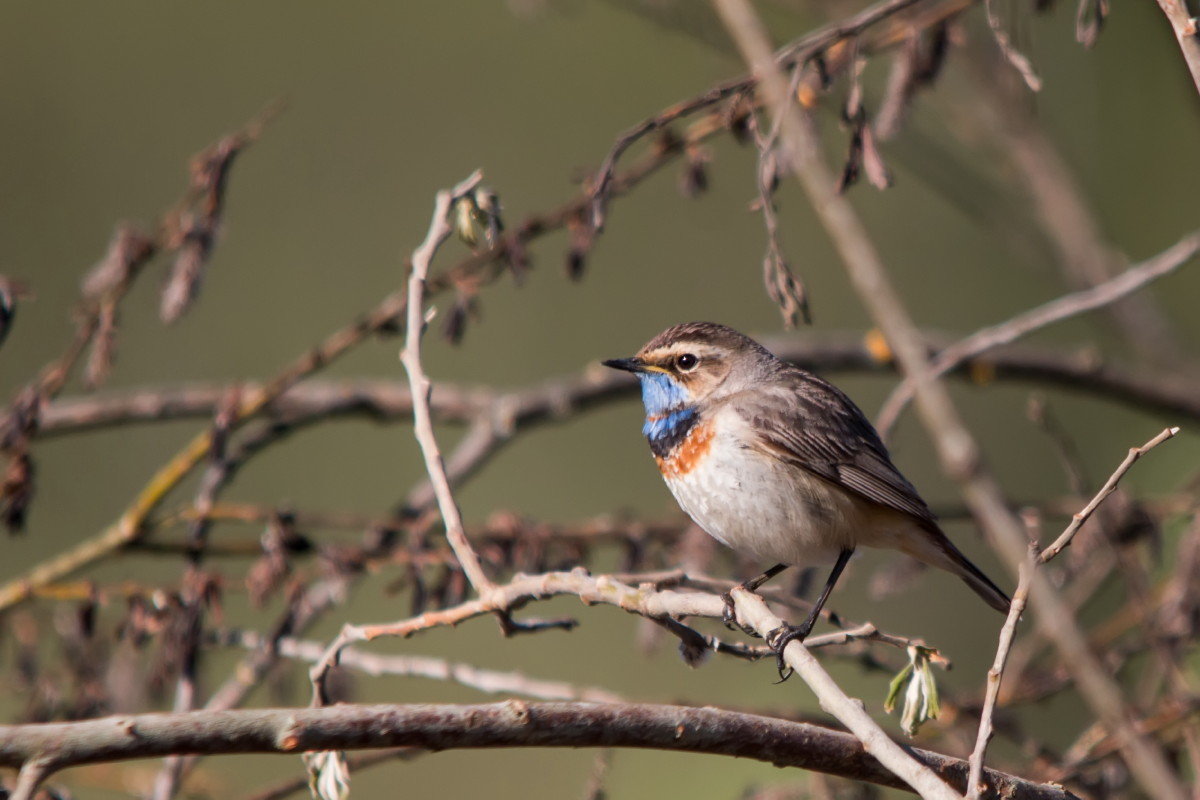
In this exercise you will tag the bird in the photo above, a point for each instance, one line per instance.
(779, 464)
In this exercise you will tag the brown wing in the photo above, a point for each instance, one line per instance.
(809, 423)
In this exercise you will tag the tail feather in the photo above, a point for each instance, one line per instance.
(938, 551)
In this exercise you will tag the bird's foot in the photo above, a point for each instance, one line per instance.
(729, 616)
(780, 638)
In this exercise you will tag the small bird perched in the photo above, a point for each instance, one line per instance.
(779, 464)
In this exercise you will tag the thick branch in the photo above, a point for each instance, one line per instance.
(850, 712)
(509, 724)
(1081, 370)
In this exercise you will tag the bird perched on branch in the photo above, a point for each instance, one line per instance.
(779, 464)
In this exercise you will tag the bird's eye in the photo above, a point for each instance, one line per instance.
(686, 362)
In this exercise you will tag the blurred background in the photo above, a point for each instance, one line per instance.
(385, 104)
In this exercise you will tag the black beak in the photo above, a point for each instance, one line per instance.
(627, 364)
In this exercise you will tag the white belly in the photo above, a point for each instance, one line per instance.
(766, 509)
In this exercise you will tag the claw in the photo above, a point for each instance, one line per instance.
(729, 613)
(780, 638)
(729, 617)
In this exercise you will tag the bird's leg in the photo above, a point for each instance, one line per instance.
(784, 635)
(729, 614)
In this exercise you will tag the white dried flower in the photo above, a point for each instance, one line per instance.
(328, 775)
(920, 690)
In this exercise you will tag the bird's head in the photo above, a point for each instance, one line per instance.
(687, 364)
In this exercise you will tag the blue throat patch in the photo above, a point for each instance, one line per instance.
(669, 416)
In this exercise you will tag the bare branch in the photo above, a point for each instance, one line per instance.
(510, 724)
(1014, 56)
(1065, 307)
(831, 352)
(420, 386)
(1187, 32)
(33, 772)
(484, 680)
(975, 785)
(752, 609)
(1109, 487)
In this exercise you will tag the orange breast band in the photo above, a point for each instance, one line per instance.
(684, 458)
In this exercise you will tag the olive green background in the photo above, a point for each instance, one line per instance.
(103, 104)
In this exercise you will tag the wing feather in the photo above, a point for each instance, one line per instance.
(812, 424)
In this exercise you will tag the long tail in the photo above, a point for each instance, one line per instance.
(936, 550)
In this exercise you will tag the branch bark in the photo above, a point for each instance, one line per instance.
(446, 727)
(1186, 32)
(832, 352)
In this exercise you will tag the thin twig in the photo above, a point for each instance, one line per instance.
(33, 771)
(994, 676)
(1109, 487)
(440, 228)
(663, 605)
(1064, 307)
(1011, 54)
(484, 680)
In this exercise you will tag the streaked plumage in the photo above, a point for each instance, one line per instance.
(777, 463)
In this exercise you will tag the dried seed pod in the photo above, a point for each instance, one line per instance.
(582, 234)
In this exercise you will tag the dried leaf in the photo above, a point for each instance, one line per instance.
(739, 116)
(24, 417)
(582, 234)
(269, 572)
(784, 288)
(11, 290)
(693, 653)
(693, 180)
(183, 284)
(16, 491)
(932, 54)
(128, 250)
(465, 308)
(104, 345)
(1090, 16)
(420, 593)
(666, 142)
(854, 155)
(872, 161)
(516, 256)
(853, 110)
